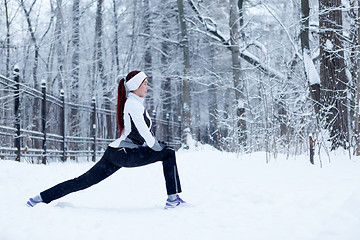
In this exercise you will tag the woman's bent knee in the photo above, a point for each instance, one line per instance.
(169, 151)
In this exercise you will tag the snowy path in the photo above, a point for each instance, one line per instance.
(229, 197)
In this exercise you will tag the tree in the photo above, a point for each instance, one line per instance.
(184, 43)
(166, 110)
(332, 72)
(354, 69)
(116, 38)
(75, 68)
(34, 41)
(357, 80)
(236, 71)
(7, 69)
(310, 71)
(59, 43)
(147, 56)
(214, 131)
(99, 67)
(98, 53)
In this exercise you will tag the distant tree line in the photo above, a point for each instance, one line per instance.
(241, 75)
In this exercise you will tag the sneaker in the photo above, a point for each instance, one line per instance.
(174, 203)
(31, 202)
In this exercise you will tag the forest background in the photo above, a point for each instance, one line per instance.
(241, 75)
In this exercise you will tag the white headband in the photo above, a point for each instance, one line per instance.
(135, 82)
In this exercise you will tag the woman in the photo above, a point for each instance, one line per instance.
(136, 147)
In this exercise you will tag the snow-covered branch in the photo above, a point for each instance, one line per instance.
(246, 55)
(285, 29)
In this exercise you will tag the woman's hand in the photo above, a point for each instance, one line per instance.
(157, 147)
(162, 144)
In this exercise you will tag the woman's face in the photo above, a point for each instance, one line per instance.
(142, 90)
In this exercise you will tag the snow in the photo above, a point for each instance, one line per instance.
(329, 45)
(229, 196)
(268, 68)
(310, 69)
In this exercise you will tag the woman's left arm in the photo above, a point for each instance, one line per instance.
(137, 116)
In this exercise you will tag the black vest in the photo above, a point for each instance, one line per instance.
(134, 134)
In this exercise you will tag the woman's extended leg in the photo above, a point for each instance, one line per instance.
(97, 173)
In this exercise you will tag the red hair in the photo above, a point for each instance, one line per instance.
(122, 99)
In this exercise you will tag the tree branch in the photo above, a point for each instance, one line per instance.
(247, 56)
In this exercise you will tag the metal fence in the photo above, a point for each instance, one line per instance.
(37, 127)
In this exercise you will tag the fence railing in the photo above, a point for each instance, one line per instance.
(38, 127)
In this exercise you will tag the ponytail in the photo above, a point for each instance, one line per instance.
(122, 99)
(120, 105)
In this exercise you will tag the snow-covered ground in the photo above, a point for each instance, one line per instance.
(229, 197)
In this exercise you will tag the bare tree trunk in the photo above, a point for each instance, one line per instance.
(214, 131)
(36, 106)
(33, 39)
(166, 95)
(237, 76)
(99, 67)
(166, 82)
(352, 66)
(7, 39)
(59, 44)
(116, 38)
(116, 46)
(98, 61)
(332, 72)
(75, 65)
(147, 57)
(241, 17)
(357, 81)
(7, 69)
(304, 28)
(134, 36)
(186, 58)
(305, 47)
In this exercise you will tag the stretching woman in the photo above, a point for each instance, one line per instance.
(136, 147)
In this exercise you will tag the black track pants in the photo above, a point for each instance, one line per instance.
(112, 160)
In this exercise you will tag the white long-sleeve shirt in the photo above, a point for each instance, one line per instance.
(137, 125)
